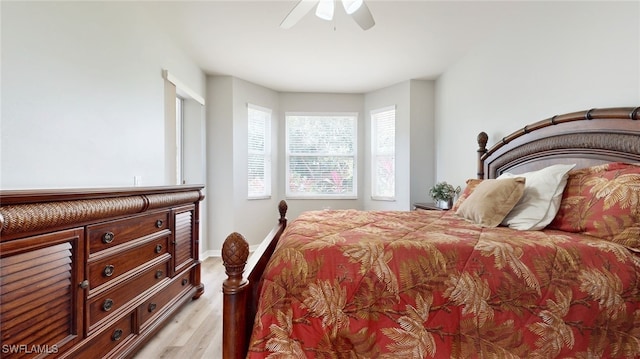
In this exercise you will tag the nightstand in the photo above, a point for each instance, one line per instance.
(427, 206)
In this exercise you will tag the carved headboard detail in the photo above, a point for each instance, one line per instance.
(585, 138)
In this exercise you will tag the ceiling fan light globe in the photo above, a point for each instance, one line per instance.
(351, 6)
(325, 10)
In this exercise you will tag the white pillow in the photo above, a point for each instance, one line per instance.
(541, 199)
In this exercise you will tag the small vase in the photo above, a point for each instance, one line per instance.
(446, 204)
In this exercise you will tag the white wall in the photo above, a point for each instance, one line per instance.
(585, 55)
(220, 199)
(228, 206)
(422, 137)
(82, 94)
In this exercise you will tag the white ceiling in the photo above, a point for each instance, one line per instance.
(411, 40)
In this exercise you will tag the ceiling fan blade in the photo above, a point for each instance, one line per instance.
(298, 11)
(363, 17)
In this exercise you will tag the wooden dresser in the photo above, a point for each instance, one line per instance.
(94, 273)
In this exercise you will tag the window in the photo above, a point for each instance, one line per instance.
(259, 155)
(383, 153)
(321, 156)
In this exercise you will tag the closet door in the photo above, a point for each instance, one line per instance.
(42, 295)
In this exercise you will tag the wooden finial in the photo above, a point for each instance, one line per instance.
(282, 208)
(482, 149)
(235, 251)
(482, 141)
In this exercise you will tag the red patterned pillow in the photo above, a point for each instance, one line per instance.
(472, 183)
(602, 201)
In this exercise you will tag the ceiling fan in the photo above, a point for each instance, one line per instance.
(324, 10)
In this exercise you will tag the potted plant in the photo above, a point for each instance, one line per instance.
(443, 194)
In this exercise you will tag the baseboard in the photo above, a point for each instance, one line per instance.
(210, 253)
(218, 253)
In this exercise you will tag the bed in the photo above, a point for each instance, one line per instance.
(540, 257)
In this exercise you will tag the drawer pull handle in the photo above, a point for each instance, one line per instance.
(107, 305)
(108, 270)
(152, 307)
(84, 284)
(117, 334)
(158, 248)
(185, 281)
(159, 274)
(159, 223)
(108, 237)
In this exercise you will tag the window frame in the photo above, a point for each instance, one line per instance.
(180, 139)
(353, 194)
(375, 153)
(266, 153)
(180, 154)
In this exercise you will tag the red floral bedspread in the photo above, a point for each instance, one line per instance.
(425, 284)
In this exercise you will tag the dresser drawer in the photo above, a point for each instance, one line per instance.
(157, 302)
(110, 338)
(110, 234)
(104, 304)
(103, 270)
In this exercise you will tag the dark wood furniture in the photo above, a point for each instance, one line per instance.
(428, 206)
(240, 293)
(586, 138)
(95, 273)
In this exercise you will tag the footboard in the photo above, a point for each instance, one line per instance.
(240, 294)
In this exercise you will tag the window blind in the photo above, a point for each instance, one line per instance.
(383, 126)
(259, 154)
(321, 155)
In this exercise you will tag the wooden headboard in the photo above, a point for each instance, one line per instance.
(585, 138)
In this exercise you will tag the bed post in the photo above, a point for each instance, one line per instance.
(240, 293)
(482, 149)
(235, 252)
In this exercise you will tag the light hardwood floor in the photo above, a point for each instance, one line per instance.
(196, 330)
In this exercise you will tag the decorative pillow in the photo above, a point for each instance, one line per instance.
(541, 199)
(491, 200)
(472, 183)
(602, 201)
